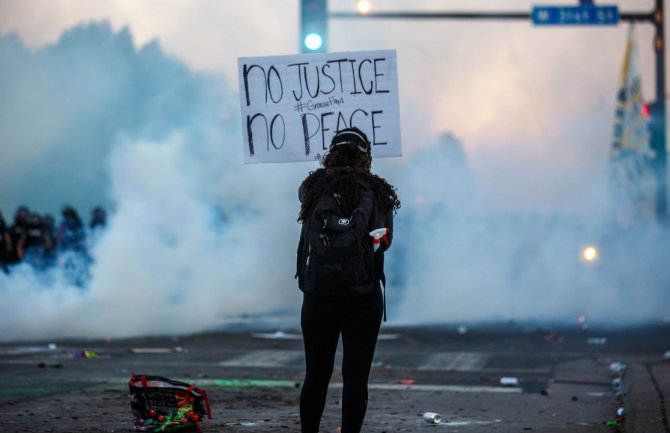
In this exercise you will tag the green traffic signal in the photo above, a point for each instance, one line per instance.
(313, 26)
(313, 41)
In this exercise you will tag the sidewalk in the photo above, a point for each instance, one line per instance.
(647, 396)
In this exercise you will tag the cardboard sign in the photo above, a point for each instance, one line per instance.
(293, 105)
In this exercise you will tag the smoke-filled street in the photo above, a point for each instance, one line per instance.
(225, 196)
(502, 378)
(505, 178)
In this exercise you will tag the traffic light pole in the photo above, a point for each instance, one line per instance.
(658, 143)
(654, 17)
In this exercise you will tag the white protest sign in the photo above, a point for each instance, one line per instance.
(292, 105)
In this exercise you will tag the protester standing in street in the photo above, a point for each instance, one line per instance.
(331, 307)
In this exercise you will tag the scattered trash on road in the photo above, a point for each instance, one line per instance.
(612, 423)
(553, 337)
(509, 381)
(406, 381)
(618, 367)
(621, 411)
(85, 354)
(616, 384)
(432, 417)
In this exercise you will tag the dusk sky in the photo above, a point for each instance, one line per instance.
(526, 102)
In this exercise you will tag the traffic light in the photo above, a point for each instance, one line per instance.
(313, 26)
(653, 111)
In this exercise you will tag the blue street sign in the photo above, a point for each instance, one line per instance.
(586, 15)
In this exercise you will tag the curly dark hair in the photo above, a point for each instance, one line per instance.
(345, 166)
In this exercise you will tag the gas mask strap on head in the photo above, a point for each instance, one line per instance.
(348, 137)
(361, 139)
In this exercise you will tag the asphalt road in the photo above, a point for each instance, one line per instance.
(557, 380)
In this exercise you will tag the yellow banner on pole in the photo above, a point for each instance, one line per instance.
(633, 179)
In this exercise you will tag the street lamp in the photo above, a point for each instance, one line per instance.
(362, 6)
(590, 254)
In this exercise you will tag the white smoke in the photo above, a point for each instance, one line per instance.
(196, 237)
(173, 259)
(464, 259)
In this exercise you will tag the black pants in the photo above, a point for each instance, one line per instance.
(358, 320)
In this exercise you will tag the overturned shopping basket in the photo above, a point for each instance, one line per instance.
(160, 404)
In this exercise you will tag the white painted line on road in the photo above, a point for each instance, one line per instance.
(278, 335)
(124, 362)
(106, 381)
(468, 422)
(518, 370)
(265, 358)
(598, 394)
(455, 361)
(449, 388)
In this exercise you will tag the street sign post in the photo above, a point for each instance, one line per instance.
(587, 15)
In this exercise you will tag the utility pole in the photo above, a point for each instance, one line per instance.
(658, 141)
(655, 17)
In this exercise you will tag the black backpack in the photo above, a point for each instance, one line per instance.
(335, 253)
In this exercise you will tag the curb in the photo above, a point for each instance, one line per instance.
(646, 386)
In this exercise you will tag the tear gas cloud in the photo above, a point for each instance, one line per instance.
(195, 237)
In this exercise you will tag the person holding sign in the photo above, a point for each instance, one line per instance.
(347, 223)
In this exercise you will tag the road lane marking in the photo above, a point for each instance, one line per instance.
(455, 361)
(469, 422)
(106, 382)
(518, 370)
(265, 358)
(448, 388)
